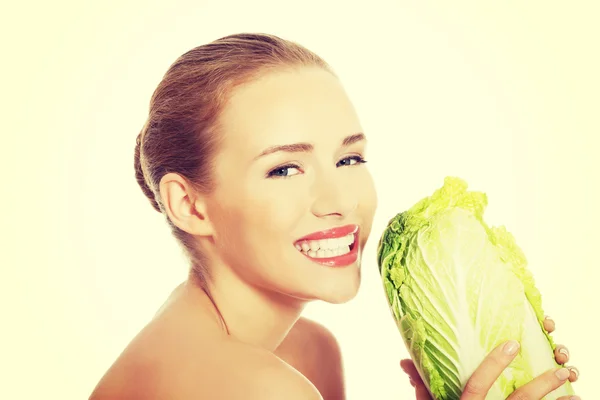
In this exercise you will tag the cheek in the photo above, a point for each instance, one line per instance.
(257, 242)
(367, 206)
(277, 206)
(260, 215)
(367, 194)
(275, 215)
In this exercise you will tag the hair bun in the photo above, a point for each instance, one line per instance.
(139, 174)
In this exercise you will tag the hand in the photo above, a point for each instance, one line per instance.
(491, 368)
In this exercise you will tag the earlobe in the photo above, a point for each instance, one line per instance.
(185, 208)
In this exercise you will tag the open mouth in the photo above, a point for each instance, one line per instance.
(327, 248)
(335, 247)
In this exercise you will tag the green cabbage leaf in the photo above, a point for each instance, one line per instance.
(458, 288)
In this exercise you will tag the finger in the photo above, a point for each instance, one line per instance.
(569, 398)
(408, 366)
(542, 385)
(489, 370)
(422, 393)
(561, 354)
(574, 373)
(549, 324)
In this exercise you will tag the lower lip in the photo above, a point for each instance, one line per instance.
(339, 261)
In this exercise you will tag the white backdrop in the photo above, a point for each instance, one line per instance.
(505, 96)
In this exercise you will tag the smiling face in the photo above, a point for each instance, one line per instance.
(291, 166)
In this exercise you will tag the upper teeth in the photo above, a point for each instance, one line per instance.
(325, 244)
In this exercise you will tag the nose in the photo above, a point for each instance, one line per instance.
(333, 197)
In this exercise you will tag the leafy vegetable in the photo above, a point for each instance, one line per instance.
(457, 289)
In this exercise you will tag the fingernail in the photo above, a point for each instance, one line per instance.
(564, 351)
(574, 398)
(548, 317)
(562, 373)
(575, 371)
(511, 347)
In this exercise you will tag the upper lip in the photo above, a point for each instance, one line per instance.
(331, 233)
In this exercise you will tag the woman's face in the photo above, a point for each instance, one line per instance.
(294, 205)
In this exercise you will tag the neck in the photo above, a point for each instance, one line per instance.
(251, 314)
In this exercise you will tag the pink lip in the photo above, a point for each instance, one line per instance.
(332, 233)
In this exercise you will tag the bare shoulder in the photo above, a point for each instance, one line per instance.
(268, 377)
(312, 331)
(165, 362)
(314, 351)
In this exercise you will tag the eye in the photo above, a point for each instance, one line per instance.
(283, 171)
(352, 160)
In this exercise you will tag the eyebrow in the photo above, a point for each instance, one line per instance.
(307, 147)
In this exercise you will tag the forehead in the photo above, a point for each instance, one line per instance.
(289, 106)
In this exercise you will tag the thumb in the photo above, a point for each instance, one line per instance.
(421, 392)
(408, 366)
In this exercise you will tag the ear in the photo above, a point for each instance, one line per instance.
(184, 206)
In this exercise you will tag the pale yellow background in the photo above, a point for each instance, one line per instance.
(505, 96)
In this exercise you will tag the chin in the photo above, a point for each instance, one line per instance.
(310, 281)
(330, 289)
(339, 289)
(339, 297)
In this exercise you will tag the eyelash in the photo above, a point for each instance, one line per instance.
(359, 160)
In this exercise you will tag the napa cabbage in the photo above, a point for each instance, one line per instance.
(457, 288)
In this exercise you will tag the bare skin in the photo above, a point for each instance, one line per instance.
(254, 344)
(264, 202)
(313, 350)
(475, 390)
(184, 353)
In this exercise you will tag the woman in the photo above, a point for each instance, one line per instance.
(255, 155)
